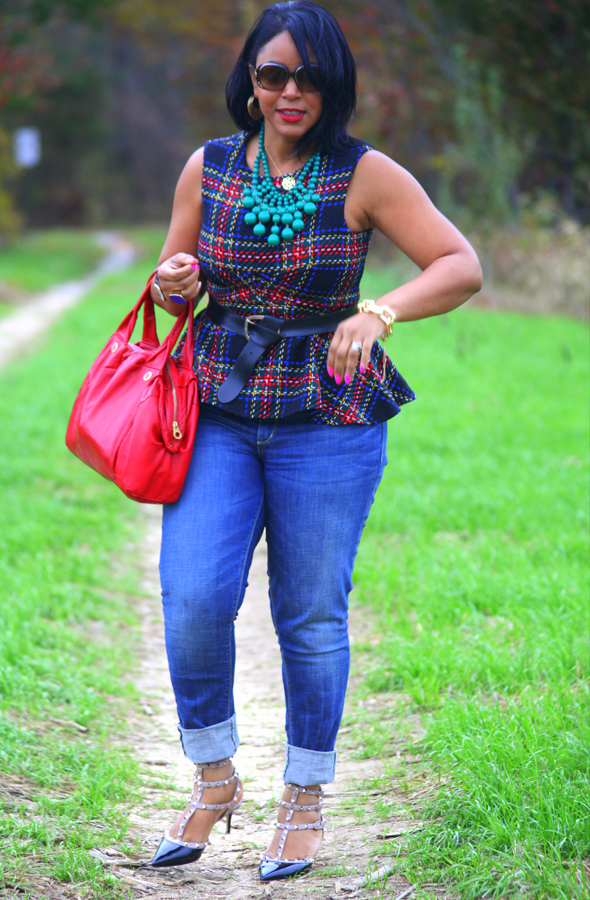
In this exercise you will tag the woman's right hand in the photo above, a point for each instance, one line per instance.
(179, 278)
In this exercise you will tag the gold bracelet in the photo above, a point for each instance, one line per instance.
(386, 314)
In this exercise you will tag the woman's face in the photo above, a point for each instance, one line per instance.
(290, 111)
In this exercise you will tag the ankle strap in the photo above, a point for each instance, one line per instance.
(291, 807)
(198, 776)
(311, 826)
(288, 804)
(214, 765)
(304, 790)
(195, 803)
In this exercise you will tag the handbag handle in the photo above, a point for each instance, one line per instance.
(150, 334)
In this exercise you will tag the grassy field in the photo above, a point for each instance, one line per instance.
(475, 563)
(473, 567)
(67, 637)
(43, 258)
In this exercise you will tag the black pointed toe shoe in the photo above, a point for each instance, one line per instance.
(271, 869)
(175, 851)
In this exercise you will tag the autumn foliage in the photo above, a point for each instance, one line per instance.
(481, 101)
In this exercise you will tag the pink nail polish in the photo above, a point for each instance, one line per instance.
(330, 371)
(337, 379)
(193, 267)
(347, 378)
(362, 369)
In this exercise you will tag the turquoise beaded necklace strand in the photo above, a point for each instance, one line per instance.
(265, 203)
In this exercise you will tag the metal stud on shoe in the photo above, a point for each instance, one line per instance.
(175, 851)
(271, 869)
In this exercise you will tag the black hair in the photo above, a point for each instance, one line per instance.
(307, 23)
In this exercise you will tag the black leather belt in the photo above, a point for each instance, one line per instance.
(259, 333)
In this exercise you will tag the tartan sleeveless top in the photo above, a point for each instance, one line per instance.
(317, 272)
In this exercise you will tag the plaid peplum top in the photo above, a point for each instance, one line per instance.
(316, 273)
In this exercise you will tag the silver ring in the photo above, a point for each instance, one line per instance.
(356, 345)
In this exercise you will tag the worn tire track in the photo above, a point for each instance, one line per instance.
(229, 867)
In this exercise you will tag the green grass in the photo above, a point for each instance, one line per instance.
(151, 238)
(514, 819)
(67, 636)
(475, 563)
(44, 258)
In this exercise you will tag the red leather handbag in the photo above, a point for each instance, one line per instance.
(135, 417)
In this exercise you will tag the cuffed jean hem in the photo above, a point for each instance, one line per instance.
(308, 766)
(202, 745)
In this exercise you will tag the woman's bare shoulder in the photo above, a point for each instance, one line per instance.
(378, 185)
(377, 171)
(193, 170)
(374, 173)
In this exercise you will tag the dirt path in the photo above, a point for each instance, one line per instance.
(358, 819)
(20, 331)
(229, 867)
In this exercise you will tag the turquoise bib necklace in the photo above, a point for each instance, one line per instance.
(282, 211)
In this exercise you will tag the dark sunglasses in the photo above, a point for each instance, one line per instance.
(274, 76)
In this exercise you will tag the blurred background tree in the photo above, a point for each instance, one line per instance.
(485, 103)
(9, 218)
(540, 50)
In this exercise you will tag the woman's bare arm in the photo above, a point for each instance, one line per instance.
(177, 267)
(385, 196)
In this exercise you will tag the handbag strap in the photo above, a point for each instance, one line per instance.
(150, 335)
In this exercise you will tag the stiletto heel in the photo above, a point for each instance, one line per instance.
(272, 868)
(175, 851)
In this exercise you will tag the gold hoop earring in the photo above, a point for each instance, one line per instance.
(254, 110)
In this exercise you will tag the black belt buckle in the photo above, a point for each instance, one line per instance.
(250, 320)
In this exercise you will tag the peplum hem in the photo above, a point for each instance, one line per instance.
(291, 378)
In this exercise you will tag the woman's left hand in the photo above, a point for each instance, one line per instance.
(343, 359)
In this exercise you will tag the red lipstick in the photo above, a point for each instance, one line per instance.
(290, 115)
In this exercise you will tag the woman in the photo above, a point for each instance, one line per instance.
(295, 394)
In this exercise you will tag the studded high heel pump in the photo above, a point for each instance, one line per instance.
(271, 868)
(176, 851)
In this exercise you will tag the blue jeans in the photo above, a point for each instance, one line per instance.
(311, 486)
